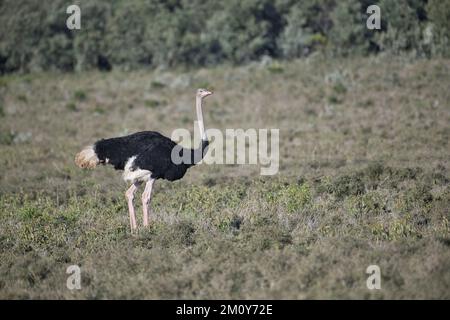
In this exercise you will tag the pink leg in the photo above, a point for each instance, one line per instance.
(130, 196)
(146, 196)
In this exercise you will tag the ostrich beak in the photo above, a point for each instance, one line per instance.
(208, 93)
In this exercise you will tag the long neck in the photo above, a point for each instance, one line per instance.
(201, 126)
(199, 153)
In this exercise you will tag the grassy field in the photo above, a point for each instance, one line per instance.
(363, 180)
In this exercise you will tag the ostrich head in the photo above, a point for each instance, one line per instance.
(203, 93)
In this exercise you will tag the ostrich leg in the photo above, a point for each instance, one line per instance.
(130, 196)
(146, 196)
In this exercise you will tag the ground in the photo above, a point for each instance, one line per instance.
(363, 180)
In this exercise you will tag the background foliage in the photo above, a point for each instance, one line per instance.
(158, 33)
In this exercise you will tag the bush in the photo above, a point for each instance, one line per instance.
(402, 26)
(349, 33)
(90, 43)
(244, 30)
(439, 29)
(308, 24)
(156, 33)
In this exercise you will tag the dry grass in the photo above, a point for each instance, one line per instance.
(364, 179)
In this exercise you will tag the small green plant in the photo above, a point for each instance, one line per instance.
(417, 196)
(6, 137)
(275, 67)
(296, 196)
(80, 95)
(339, 88)
(185, 120)
(29, 212)
(366, 204)
(99, 109)
(333, 99)
(157, 85)
(71, 106)
(318, 39)
(346, 185)
(152, 103)
(22, 98)
(367, 103)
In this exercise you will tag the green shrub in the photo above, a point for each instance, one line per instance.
(347, 185)
(6, 137)
(131, 34)
(307, 26)
(244, 30)
(402, 26)
(371, 203)
(439, 30)
(90, 46)
(296, 196)
(157, 85)
(153, 103)
(80, 95)
(99, 109)
(71, 106)
(289, 196)
(349, 33)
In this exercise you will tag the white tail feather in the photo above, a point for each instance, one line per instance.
(87, 158)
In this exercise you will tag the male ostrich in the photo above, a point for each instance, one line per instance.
(144, 157)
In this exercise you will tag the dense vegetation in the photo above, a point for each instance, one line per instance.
(129, 34)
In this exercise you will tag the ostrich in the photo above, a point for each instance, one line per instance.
(145, 157)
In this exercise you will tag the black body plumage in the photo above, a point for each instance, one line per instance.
(152, 151)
